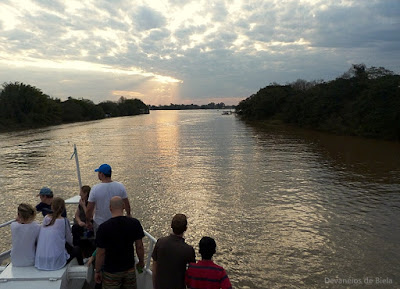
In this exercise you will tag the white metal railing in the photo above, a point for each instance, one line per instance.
(6, 254)
(152, 242)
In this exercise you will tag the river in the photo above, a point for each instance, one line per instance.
(288, 208)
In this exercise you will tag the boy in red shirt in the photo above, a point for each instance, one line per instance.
(205, 274)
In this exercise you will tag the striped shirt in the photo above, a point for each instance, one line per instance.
(205, 274)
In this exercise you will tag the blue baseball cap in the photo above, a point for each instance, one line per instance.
(104, 168)
(45, 191)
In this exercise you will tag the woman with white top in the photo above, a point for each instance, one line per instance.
(24, 234)
(55, 232)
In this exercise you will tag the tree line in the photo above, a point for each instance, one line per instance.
(211, 105)
(362, 102)
(25, 106)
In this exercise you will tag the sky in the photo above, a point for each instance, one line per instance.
(184, 52)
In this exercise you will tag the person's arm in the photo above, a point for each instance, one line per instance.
(225, 283)
(78, 219)
(68, 233)
(187, 279)
(100, 254)
(154, 269)
(127, 207)
(140, 252)
(89, 215)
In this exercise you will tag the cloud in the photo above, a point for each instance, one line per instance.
(172, 51)
(147, 18)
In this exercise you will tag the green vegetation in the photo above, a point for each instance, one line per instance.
(25, 106)
(363, 102)
(172, 106)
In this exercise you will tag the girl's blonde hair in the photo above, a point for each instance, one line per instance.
(26, 213)
(58, 206)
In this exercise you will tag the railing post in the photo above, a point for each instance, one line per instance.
(78, 170)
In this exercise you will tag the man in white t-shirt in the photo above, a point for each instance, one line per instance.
(100, 196)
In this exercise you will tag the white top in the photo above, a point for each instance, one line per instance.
(50, 251)
(24, 237)
(101, 195)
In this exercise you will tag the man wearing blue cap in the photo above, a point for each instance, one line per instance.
(100, 196)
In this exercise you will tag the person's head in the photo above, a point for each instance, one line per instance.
(116, 205)
(105, 170)
(207, 248)
(84, 193)
(26, 213)
(57, 206)
(179, 224)
(45, 195)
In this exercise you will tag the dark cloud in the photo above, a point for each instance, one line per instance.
(147, 18)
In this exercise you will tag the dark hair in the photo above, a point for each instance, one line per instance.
(26, 212)
(179, 224)
(207, 247)
(86, 189)
(58, 206)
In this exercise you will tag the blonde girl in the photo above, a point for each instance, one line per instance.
(55, 232)
(24, 234)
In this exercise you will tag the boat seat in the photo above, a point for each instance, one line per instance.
(72, 271)
(11, 273)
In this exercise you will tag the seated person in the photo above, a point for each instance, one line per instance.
(205, 274)
(51, 252)
(24, 234)
(83, 237)
(46, 197)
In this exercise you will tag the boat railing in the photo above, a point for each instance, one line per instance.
(152, 242)
(6, 254)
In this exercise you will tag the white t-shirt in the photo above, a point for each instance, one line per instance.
(24, 237)
(101, 195)
(50, 251)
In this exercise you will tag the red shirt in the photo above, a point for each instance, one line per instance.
(205, 274)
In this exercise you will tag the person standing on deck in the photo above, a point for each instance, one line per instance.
(205, 274)
(115, 257)
(100, 196)
(170, 257)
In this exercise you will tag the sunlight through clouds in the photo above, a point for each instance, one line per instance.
(190, 51)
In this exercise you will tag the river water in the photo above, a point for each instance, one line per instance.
(289, 208)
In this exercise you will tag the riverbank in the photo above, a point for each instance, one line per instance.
(365, 103)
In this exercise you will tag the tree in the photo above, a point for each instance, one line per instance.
(27, 105)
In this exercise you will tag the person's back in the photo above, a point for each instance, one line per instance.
(101, 195)
(115, 258)
(24, 235)
(54, 233)
(205, 274)
(117, 235)
(170, 257)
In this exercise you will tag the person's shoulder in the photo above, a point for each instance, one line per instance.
(118, 184)
(94, 188)
(163, 239)
(133, 220)
(220, 268)
(46, 220)
(40, 206)
(187, 246)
